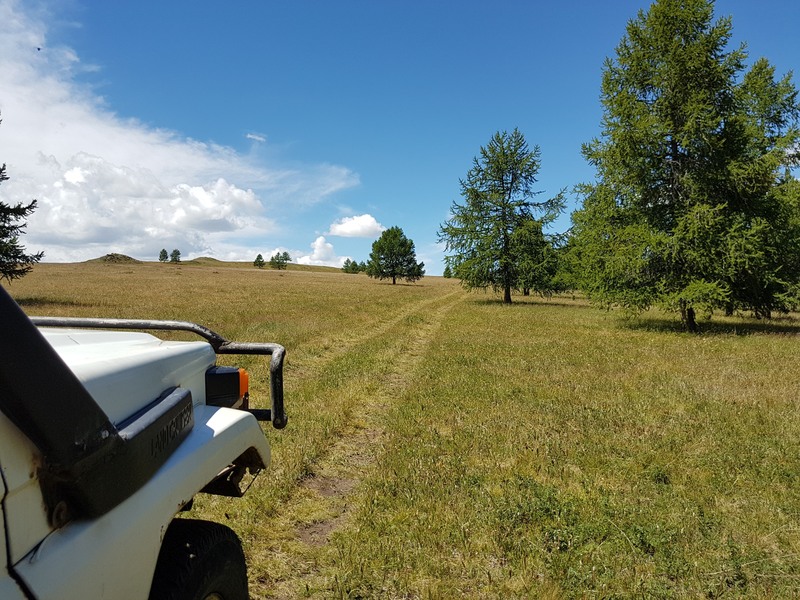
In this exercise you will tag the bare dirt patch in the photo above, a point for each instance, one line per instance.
(329, 487)
(318, 534)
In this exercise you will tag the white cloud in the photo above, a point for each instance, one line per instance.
(322, 254)
(108, 184)
(360, 226)
(256, 137)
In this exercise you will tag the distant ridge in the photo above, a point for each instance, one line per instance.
(115, 258)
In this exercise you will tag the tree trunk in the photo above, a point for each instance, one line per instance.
(507, 295)
(688, 317)
(691, 324)
(394, 279)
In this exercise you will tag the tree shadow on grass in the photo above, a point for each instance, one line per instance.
(403, 283)
(776, 326)
(782, 325)
(39, 301)
(538, 302)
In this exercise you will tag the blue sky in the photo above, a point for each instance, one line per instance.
(229, 129)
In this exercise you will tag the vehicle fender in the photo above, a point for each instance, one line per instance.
(9, 589)
(114, 556)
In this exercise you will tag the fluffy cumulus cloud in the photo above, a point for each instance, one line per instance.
(323, 254)
(359, 226)
(104, 184)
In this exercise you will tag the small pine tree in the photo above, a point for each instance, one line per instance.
(14, 262)
(351, 266)
(393, 257)
(259, 262)
(279, 260)
(163, 256)
(175, 256)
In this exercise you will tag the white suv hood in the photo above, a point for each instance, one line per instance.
(126, 371)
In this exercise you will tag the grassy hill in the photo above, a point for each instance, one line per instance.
(441, 444)
(115, 259)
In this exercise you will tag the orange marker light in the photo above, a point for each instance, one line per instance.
(244, 383)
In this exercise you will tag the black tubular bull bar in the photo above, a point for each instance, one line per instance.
(276, 414)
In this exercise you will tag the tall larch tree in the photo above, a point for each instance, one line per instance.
(694, 206)
(497, 201)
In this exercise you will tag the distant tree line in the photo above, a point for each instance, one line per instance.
(279, 260)
(353, 266)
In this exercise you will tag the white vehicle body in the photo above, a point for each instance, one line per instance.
(58, 548)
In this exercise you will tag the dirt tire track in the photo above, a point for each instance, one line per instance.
(326, 495)
(381, 328)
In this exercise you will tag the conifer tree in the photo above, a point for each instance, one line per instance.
(393, 257)
(279, 260)
(498, 198)
(15, 262)
(694, 207)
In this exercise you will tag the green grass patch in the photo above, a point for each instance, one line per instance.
(553, 450)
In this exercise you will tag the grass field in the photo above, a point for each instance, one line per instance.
(443, 445)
